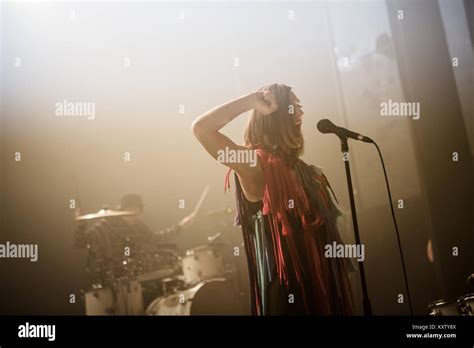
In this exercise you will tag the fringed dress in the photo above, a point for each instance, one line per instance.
(285, 235)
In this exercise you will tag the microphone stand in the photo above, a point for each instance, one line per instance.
(365, 296)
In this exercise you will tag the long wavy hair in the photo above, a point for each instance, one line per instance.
(276, 133)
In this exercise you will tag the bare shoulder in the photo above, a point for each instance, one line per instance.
(252, 179)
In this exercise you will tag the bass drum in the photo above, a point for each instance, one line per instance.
(211, 297)
(125, 299)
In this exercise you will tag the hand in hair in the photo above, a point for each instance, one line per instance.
(265, 103)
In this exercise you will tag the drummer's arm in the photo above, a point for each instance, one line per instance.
(184, 223)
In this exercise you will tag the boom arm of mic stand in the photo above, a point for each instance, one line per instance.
(365, 296)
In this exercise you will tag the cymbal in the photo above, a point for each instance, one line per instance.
(104, 213)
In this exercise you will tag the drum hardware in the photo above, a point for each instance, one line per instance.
(214, 237)
(172, 285)
(468, 300)
(220, 212)
(462, 306)
(156, 275)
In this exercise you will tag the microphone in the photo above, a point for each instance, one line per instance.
(325, 126)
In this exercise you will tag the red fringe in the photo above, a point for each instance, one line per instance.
(286, 186)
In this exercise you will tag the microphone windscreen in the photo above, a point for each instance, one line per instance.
(326, 126)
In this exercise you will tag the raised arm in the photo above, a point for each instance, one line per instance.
(206, 129)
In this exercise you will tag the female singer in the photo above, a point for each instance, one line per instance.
(285, 206)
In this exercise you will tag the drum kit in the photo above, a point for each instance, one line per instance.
(462, 306)
(156, 279)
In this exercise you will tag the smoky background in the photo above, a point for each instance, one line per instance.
(340, 58)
